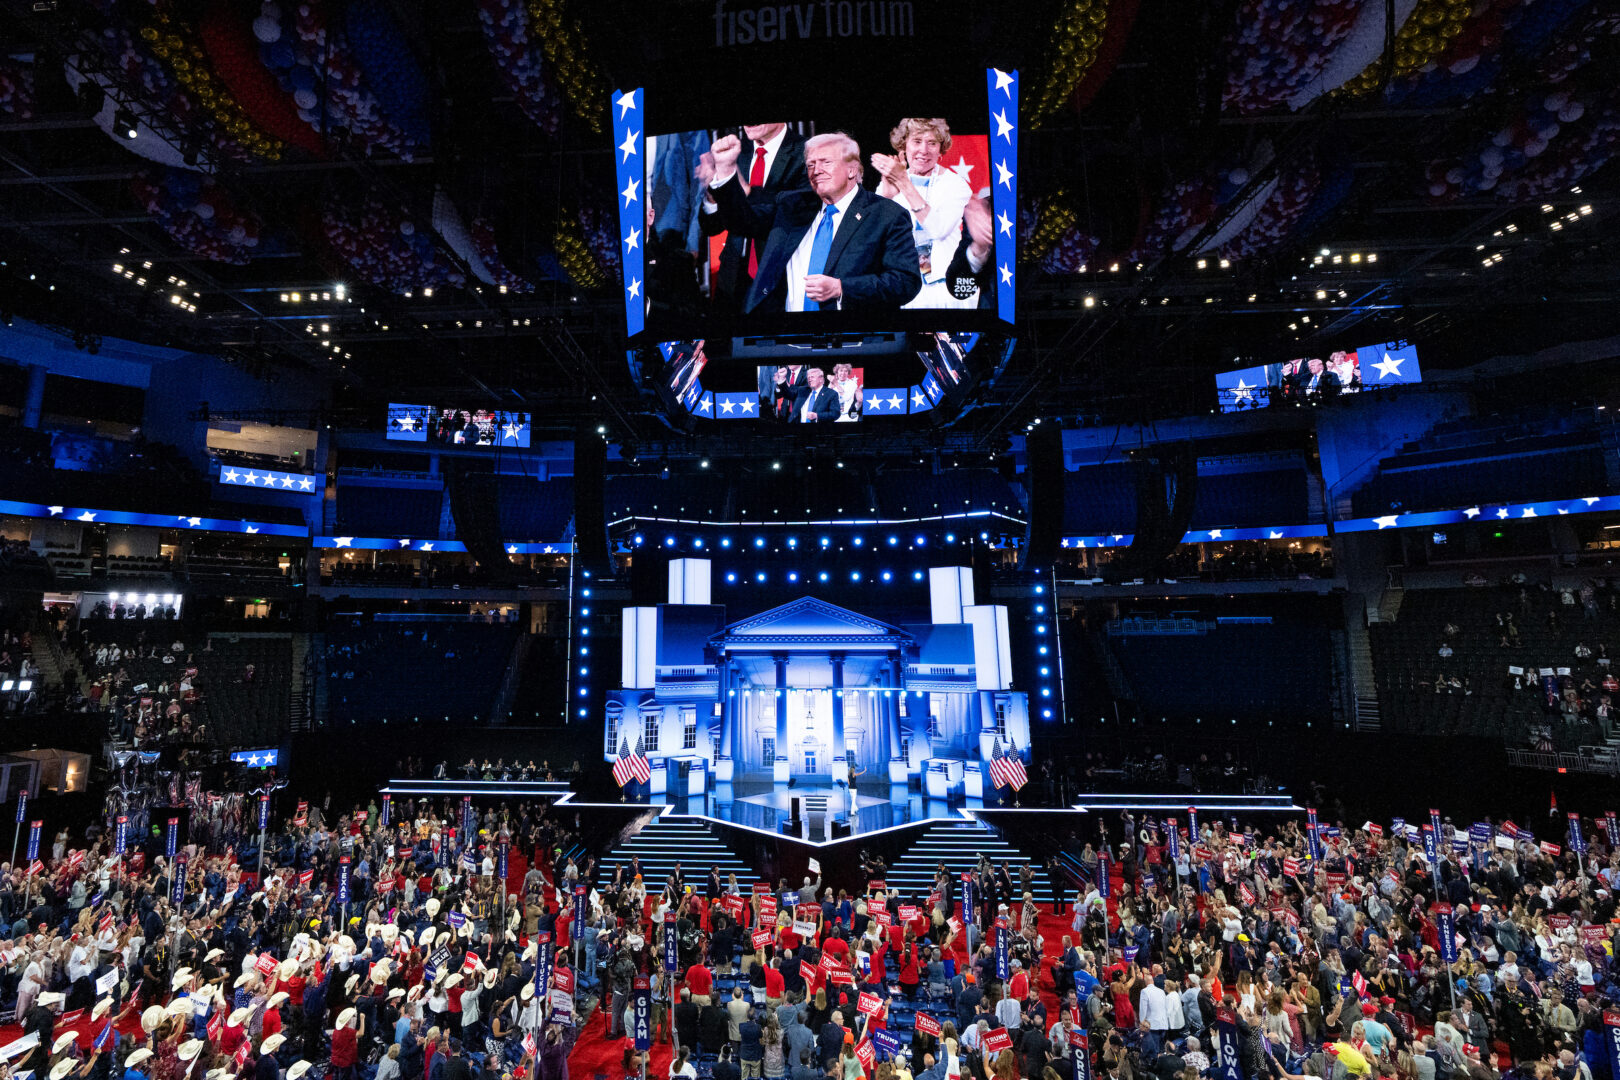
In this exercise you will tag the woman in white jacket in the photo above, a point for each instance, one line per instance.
(934, 195)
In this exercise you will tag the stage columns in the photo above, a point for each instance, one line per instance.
(725, 764)
(780, 765)
(898, 770)
(840, 766)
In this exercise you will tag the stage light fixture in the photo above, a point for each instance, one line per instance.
(639, 539)
(124, 124)
(697, 543)
(669, 541)
(822, 576)
(854, 575)
(1046, 714)
(916, 575)
(731, 578)
(1041, 650)
(893, 540)
(920, 541)
(725, 541)
(887, 575)
(760, 577)
(793, 576)
(759, 541)
(704, 464)
(825, 541)
(858, 541)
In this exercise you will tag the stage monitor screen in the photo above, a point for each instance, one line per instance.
(838, 215)
(451, 426)
(1312, 379)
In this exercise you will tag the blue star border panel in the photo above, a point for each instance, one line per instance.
(1003, 128)
(629, 139)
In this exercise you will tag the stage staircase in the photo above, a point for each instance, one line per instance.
(958, 845)
(664, 841)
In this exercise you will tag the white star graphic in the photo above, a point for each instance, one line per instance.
(1386, 522)
(632, 240)
(407, 422)
(512, 430)
(1081, 543)
(1118, 537)
(1006, 274)
(1004, 175)
(427, 545)
(629, 192)
(253, 759)
(1003, 125)
(1529, 511)
(249, 528)
(1471, 512)
(629, 145)
(895, 402)
(1004, 222)
(1003, 81)
(404, 543)
(1502, 513)
(963, 169)
(511, 549)
(748, 405)
(54, 510)
(87, 516)
(1590, 499)
(250, 478)
(194, 522)
(626, 102)
(549, 549)
(1388, 366)
(306, 483)
(917, 399)
(1561, 510)
(873, 402)
(634, 288)
(286, 481)
(230, 477)
(706, 404)
(1276, 534)
(1242, 391)
(1214, 534)
(342, 541)
(1065, 541)
(727, 405)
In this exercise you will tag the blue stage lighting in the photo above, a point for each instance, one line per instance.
(585, 592)
(893, 540)
(582, 712)
(1039, 589)
(760, 577)
(725, 541)
(759, 541)
(1046, 671)
(1040, 628)
(916, 575)
(669, 541)
(825, 541)
(1046, 713)
(584, 650)
(731, 578)
(887, 575)
(793, 541)
(858, 541)
(584, 691)
(920, 541)
(950, 538)
(854, 575)
(793, 575)
(584, 671)
(584, 631)
(1046, 691)
(822, 576)
(585, 611)
(1040, 609)
(640, 539)
(1042, 650)
(697, 543)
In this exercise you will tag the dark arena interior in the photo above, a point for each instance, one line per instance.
(832, 540)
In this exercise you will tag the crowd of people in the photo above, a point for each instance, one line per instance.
(382, 945)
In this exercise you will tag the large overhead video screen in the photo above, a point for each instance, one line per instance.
(1312, 379)
(451, 426)
(835, 218)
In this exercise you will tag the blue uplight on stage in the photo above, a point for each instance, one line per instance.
(916, 575)
(640, 539)
(822, 576)
(669, 541)
(1040, 609)
(920, 540)
(725, 541)
(759, 541)
(731, 578)
(893, 540)
(886, 575)
(760, 577)
(858, 541)
(793, 541)
(698, 543)
(793, 575)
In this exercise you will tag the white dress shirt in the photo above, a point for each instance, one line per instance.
(798, 267)
(1152, 1009)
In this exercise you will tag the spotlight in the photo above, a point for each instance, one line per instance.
(124, 124)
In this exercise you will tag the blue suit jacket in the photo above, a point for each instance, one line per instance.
(873, 255)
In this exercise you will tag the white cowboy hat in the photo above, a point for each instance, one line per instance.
(101, 1008)
(276, 999)
(354, 980)
(531, 952)
(390, 932)
(396, 992)
(372, 930)
(443, 938)
(452, 980)
(246, 977)
(49, 998)
(432, 906)
(136, 1057)
(380, 971)
(189, 1049)
(236, 1017)
(151, 1018)
(297, 1069)
(288, 969)
(179, 1007)
(180, 979)
(63, 1041)
(527, 993)
(346, 941)
(272, 1044)
(426, 937)
(62, 1068)
(345, 1018)
(213, 954)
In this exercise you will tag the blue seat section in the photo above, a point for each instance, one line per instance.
(923, 493)
(535, 509)
(415, 672)
(365, 510)
(1252, 499)
(1100, 499)
(1281, 670)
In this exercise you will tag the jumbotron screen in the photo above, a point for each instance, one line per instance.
(452, 426)
(841, 217)
(1311, 379)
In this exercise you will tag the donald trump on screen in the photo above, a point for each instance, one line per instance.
(836, 247)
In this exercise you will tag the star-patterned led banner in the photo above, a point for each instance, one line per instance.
(629, 137)
(1003, 87)
(270, 480)
(161, 521)
(1347, 371)
(391, 543)
(1591, 504)
(256, 759)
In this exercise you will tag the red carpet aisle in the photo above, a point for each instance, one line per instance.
(597, 1057)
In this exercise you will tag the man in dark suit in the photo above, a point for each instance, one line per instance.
(972, 269)
(835, 247)
(819, 405)
(771, 161)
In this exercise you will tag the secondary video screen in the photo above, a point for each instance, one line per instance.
(1318, 378)
(451, 426)
(794, 218)
(824, 393)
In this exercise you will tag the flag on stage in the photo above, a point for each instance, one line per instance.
(1006, 768)
(631, 766)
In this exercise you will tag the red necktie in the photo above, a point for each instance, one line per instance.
(756, 180)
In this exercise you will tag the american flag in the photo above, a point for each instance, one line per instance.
(631, 766)
(1006, 768)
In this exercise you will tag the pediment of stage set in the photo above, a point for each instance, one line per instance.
(808, 621)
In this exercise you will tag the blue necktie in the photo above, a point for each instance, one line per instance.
(819, 249)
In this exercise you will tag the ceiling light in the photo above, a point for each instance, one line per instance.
(124, 124)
